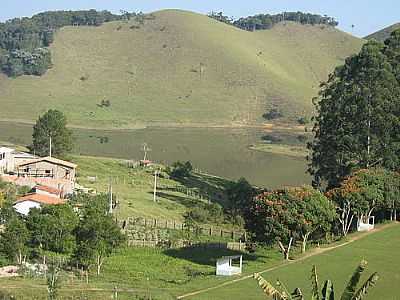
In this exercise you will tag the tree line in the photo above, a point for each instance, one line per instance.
(24, 41)
(267, 21)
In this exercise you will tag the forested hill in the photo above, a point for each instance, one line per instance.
(24, 41)
(383, 34)
(177, 67)
(267, 21)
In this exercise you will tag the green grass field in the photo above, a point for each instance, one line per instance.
(179, 68)
(134, 188)
(281, 149)
(166, 274)
(379, 249)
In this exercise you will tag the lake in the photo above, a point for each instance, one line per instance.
(218, 151)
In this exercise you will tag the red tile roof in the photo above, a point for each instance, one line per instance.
(48, 189)
(42, 199)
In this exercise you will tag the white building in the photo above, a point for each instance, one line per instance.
(6, 160)
(10, 159)
(24, 204)
(226, 267)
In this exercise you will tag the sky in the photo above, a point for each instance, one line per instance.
(368, 16)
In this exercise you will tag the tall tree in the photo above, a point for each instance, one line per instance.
(51, 126)
(14, 238)
(357, 123)
(97, 234)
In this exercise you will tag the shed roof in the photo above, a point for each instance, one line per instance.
(42, 199)
(50, 160)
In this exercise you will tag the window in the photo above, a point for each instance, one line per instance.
(48, 171)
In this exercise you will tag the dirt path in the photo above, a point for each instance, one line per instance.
(314, 252)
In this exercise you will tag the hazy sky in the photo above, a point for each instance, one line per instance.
(367, 15)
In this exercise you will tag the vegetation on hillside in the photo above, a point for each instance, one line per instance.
(24, 41)
(267, 21)
(358, 117)
(383, 34)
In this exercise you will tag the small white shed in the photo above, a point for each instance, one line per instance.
(229, 265)
(366, 224)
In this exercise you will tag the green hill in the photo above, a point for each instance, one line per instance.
(383, 34)
(178, 68)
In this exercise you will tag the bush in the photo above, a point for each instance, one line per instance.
(273, 114)
(180, 170)
(303, 120)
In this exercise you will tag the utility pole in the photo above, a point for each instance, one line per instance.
(156, 172)
(50, 145)
(110, 211)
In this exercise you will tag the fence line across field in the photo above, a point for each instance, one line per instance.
(172, 224)
(235, 246)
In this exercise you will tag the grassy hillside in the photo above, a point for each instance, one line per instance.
(383, 34)
(133, 188)
(178, 68)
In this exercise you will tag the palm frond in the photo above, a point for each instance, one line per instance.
(269, 289)
(359, 295)
(327, 291)
(315, 284)
(351, 287)
(297, 294)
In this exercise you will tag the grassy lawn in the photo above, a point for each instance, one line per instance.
(134, 188)
(379, 249)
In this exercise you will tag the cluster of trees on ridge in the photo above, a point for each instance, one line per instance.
(24, 41)
(267, 21)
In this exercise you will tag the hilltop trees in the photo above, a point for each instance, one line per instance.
(267, 21)
(51, 126)
(24, 41)
(358, 117)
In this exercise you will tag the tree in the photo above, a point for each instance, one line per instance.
(239, 196)
(97, 234)
(51, 126)
(14, 238)
(327, 293)
(358, 119)
(52, 229)
(284, 216)
(365, 191)
(181, 170)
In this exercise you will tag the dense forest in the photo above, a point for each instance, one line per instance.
(267, 21)
(24, 41)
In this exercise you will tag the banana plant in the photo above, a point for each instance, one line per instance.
(280, 292)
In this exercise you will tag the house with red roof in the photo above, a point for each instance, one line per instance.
(33, 200)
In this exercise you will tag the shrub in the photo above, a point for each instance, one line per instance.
(181, 170)
(273, 114)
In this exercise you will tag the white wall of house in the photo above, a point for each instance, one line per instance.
(7, 163)
(25, 206)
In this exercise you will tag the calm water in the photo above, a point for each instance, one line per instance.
(223, 152)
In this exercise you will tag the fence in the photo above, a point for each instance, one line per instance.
(235, 246)
(175, 225)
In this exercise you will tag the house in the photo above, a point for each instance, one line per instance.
(24, 204)
(47, 191)
(6, 160)
(9, 159)
(47, 167)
